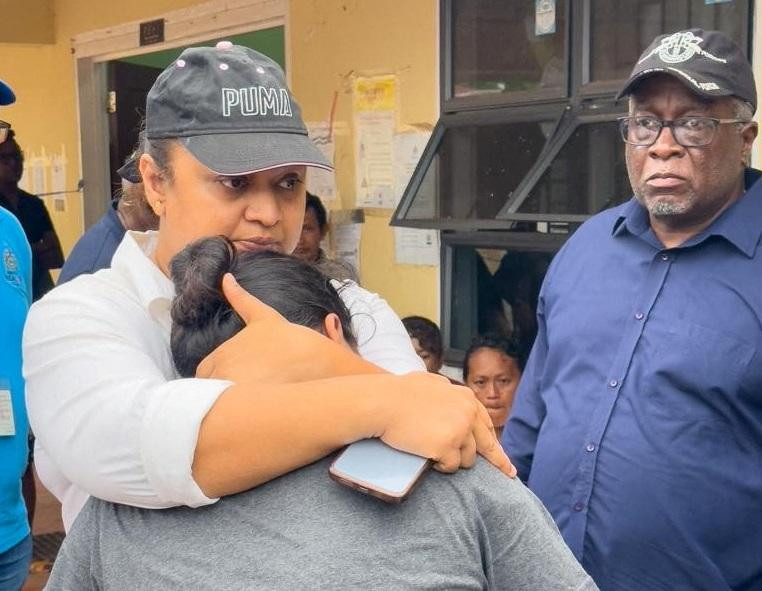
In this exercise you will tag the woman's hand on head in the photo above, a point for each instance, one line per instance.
(428, 416)
(270, 349)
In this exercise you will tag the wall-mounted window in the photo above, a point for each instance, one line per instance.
(496, 55)
(527, 146)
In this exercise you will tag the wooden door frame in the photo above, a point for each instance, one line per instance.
(208, 20)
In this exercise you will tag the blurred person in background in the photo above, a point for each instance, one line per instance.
(492, 369)
(314, 231)
(129, 211)
(427, 341)
(33, 215)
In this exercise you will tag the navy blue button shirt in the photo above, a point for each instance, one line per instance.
(638, 421)
(95, 249)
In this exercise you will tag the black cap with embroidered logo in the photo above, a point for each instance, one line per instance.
(709, 63)
(230, 107)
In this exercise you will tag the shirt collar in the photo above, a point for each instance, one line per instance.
(132, 260)
(739, 224)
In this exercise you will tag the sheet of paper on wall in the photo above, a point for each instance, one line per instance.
(346, 240)
(374, 159)
(408, 148)
(413, 246)
(544, 17)
(374, 93)
(58, 181)
(34, 177)
(322, 182)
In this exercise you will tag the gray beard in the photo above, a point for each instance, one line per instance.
(662, 208)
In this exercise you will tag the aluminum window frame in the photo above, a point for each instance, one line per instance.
(553, 112)
(452, 104)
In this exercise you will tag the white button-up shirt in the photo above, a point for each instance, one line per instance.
(110, 415)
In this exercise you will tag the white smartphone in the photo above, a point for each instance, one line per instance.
(374, 468)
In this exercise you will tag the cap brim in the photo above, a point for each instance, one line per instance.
(675, 73)
(129, 172)
(6, 94)
(246, 153)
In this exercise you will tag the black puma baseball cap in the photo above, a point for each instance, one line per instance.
(230, 107)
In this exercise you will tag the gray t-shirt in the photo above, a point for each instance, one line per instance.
(476, 529)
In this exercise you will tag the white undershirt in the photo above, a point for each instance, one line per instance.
(110, 415)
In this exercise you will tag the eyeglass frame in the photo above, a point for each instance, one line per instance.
(4, 129)
(671, 124)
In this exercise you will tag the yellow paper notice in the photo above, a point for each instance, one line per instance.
(378, 93)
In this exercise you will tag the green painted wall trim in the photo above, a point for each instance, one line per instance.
(268, 41)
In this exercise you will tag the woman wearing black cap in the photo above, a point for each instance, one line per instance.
(226, 154)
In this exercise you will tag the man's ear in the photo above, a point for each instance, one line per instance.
(154, 184)
(749, 134)
(332, 329)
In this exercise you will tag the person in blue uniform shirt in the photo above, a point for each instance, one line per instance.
(15, 298)
(638, 421)
(129, 211)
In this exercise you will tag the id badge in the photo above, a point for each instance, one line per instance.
(7, 425)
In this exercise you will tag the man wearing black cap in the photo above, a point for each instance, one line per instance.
(15, 298)
(638, 421)
(33, 215)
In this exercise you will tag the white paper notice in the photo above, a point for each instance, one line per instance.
(408, 148)
(374, 149)
(58, 181)
(322, 182)
(37, 177)
(347, 243)
(416, 247)
(7, 426)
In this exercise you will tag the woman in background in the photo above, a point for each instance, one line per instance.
(492, 369)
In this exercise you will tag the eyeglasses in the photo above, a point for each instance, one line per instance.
(689, 132)
(4, 127)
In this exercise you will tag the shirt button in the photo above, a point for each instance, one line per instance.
(578, 506)
(664, 257)
(590, 447)
(639, 316)
(613, 384)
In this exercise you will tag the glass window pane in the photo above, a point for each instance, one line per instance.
(622, 29)
(587, 175)
(495, 291)
(495, 48)
(476, 168)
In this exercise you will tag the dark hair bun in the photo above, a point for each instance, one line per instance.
(201, 316)
(202, 319)
(197, 273)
